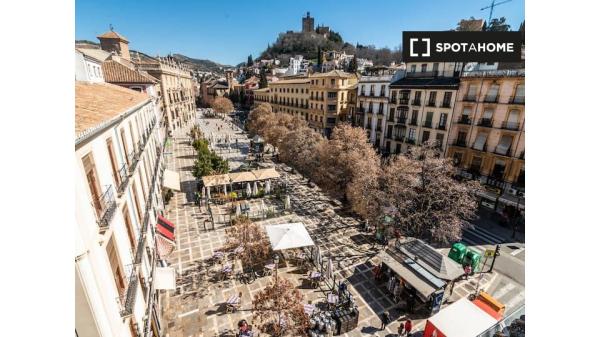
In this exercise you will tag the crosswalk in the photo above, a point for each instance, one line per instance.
(507, 292)
(479, 239)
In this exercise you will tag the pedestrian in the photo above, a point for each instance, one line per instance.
(385, 319)
(400, 329)
(467, 270)
(408, 327)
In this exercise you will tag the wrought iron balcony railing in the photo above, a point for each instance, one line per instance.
(485, 122)
(106, 206)
(518, 100)
(413, 122)
(460, 142)
(464, 120)
(511, 126)
(403, 101)
(427, 124)
(441, 126)
(416, 102)
(123, 178)
(470, 98)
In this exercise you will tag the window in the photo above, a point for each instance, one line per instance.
(362, 89)
(331, 94)
(432, 98)
(129, 227)
(370, 107)
(439, 140)
(136, 200)
(457, 158)
(372, 93)
(462, 138)
(486, 120)
(124, 142)
(425, 136)
(480, 142)
(413, 68)
(423, 67)
(435, 67)
(381, 108)
(89, 168)
(471, 93)
(411, 134)
(382, 91)
(443, 118)
(331, 107)
(492, 94)
(113, 162)
(498, 171)
(504, 145)
(447, 99)
(115, 265)
(475, 165)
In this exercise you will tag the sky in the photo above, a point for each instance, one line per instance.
(228, 31)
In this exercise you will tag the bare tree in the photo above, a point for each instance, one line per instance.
(299, 150)
(346, 158)
(279, 311)
(222, 105)
(252, 238)
(260, 119)
(421, 196)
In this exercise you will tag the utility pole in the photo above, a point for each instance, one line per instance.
(491, 7)
(496, 253)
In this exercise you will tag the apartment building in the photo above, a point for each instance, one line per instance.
(291, 97)
(487, 137)
(373, 104)
(329, 99)
(262, 96)
(118, 178)
(421, 104)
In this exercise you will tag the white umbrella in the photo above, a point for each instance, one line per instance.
(248, 189)
(255, 191)
(268, 187)
(288, 235)
(225, 189)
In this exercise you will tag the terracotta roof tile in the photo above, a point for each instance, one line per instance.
(112, 35)
(96, 103)
(115, 72)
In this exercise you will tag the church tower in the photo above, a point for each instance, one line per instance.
(308, 23)
(114, 42)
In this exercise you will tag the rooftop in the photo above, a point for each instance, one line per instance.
(115, 72)
(112, 35)
(292, 81)
(334, 73)
(97, 103)
(95, 53)
(433, 261)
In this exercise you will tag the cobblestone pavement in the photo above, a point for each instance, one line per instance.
(196, 307)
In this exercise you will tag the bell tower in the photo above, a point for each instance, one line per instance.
(308, 23)
(112, 41)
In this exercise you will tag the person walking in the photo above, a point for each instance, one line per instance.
(408, 327)
(401, 329)
(385, 319)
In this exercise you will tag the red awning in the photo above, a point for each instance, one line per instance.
(166, 228)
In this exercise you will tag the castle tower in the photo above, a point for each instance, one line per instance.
(308, 23)
(114, 42)
(229, 77)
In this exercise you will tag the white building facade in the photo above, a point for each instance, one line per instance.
(87, 68)
(118, 177)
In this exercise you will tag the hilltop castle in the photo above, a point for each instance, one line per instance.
(308, 26)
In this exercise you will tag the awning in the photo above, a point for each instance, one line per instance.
(424, 288)
(461, 319)
(240, 177)
(171, 180)
(263, 174)
(164, 278)
(289, 235)
(216, 180)
(166, 228)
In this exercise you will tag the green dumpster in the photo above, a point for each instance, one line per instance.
(472, 258)
(457, 252)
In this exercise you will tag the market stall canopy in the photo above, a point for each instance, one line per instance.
(171, 180)
(289, 235)
(216, 180)
(263, 174)
(436, 263)
(460, 319)
(240, 177)
(423, 287)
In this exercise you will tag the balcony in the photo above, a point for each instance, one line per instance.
(517, 100)
(431, 104)
(372, 94)
(441, 126)
(515, 126)
(378, 129)
(127, 300)
(416, 102)
(382, 94)
(391, 119)
(506, 153)
(483, 149)
(403, 101)
(106, 206)
(370, 111)
(394, 100)
(123, 178)
(410, 141)
(460, 142)
(401, 120)
(389, 135)
(413, 122)
(464, 120)
(133, 159)
(427, 124)
(485, 122)
(399, 138)
(445, 104)
(469, 98)
(491, 99)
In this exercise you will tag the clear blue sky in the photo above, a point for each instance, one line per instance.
(227, 31)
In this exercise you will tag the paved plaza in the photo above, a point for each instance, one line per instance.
(197, 306)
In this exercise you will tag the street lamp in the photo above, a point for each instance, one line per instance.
(276, 261)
